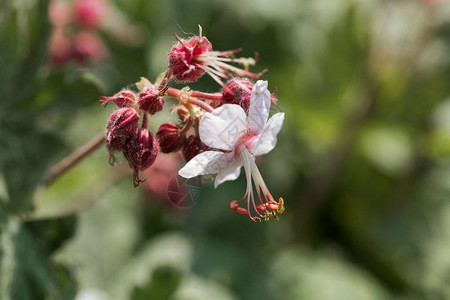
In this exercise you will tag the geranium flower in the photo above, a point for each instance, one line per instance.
(239, 138)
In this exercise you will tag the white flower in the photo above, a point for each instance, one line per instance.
(241, 137)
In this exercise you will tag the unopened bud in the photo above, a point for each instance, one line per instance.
(122, 123)
(169, 137)
(193, 147)
(238, 91)
(182, 58)
(141, 152)
(151, 100)
(125, 98)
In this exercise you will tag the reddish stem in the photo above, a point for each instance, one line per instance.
(145, 121)
(71, 160)
(176, 94)
(208, 96)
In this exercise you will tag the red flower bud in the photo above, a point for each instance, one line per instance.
(141, 152)
(122, 123)
(125, 98)
(183, 58)
(169, 137)
(238, 91)
(151, 100)
(193, 147)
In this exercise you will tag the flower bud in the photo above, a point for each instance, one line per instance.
(141, 152)
(89, 13)
(151, 100)
(125, 98)
(182, 58)
(193, 147)
(122, 123)
(238, 91)
(169, 137)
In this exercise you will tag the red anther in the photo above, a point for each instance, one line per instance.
(241, 211)
(272, 206)
(234, 204)
(151, 100)
(125, 98)
(261, 207)
(256, 219)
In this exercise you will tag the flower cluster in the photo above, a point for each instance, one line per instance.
(75, 30)
(217, 133)
(74, 35)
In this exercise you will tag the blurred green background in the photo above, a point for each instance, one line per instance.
(362, 160)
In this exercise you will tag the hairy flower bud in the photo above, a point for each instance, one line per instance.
(122, 123)
(151, 100)
(89, 13)
(193, 147)
(238, 91)
(125, 98)
(141, 152)
(182, 58)
(169, 137)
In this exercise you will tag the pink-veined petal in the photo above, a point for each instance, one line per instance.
(232, 172)
(222, 127)
(268, 137)
(258, 112)
(208, 162)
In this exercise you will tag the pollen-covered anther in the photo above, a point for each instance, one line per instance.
(281, 208)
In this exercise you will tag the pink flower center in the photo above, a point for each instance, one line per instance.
(247, 140)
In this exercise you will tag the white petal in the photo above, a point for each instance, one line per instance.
(268, 137)
(230, 173)
(208, 162)
(222, 127)
(259, 106)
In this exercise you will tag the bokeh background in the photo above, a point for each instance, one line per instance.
(362, 160)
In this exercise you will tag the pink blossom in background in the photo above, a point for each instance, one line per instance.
(60, 13)
(159, 175)
(89, 13)
(88, 47)
(60, 47)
